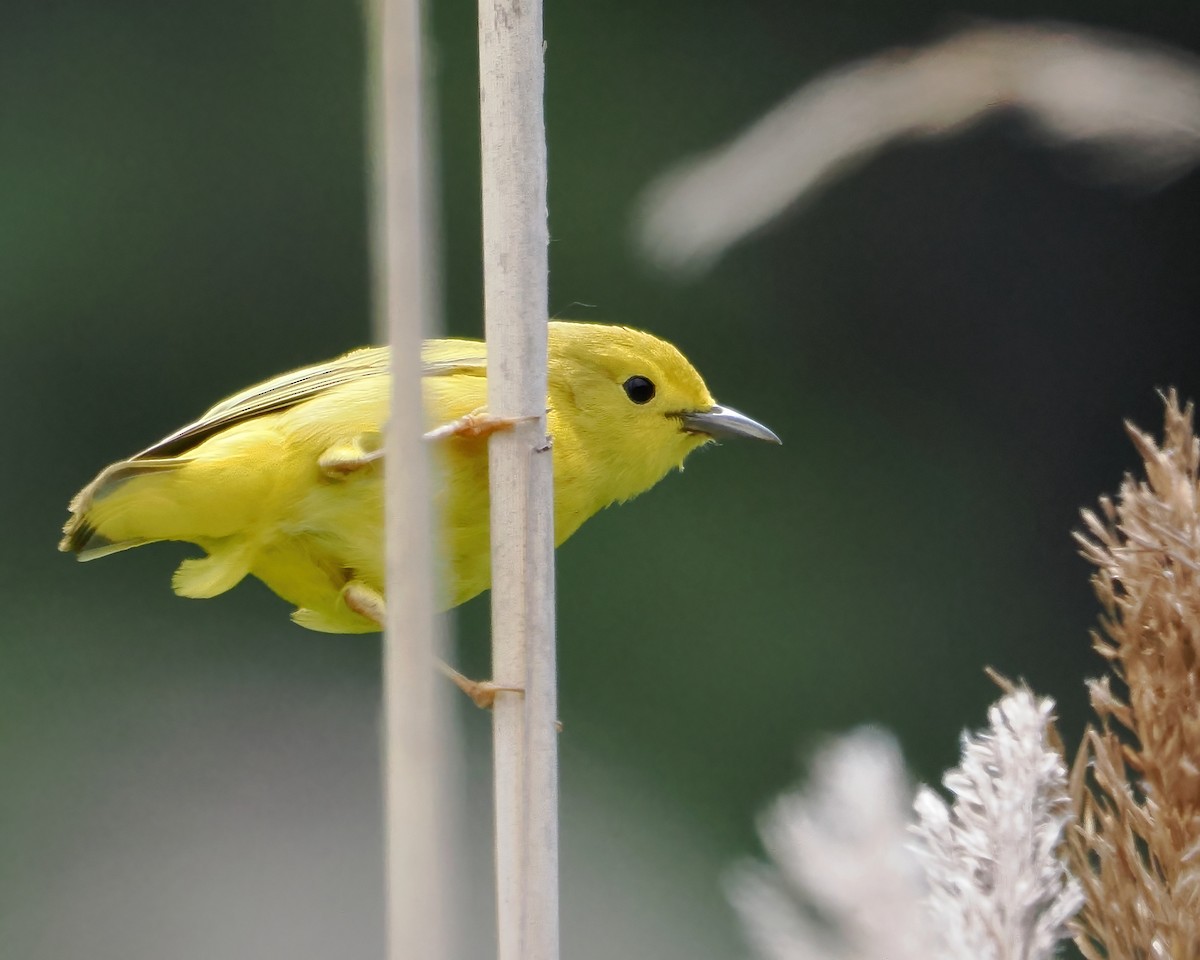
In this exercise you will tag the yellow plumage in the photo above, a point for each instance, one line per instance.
(279, 481)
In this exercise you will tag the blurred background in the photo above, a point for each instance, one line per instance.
(947, 341)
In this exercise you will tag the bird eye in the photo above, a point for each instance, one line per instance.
(639, 389)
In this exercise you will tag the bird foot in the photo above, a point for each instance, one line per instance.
(476, 425)
(482, 692)
(370, 604)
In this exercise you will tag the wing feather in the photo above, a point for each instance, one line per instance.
(439, 358)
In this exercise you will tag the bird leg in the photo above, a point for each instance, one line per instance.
(365, 602)
(370, 604)
(476, 425)
(338, 462)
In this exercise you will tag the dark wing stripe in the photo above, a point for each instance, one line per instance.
(294, 388)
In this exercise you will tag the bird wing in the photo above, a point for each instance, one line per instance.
(438, 358)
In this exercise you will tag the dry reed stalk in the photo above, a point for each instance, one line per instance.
(417, 736)
(516, 306)
(1136, 781)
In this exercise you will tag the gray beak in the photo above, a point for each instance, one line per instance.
(726, 422)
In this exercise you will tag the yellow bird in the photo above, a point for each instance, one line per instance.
(283, 481)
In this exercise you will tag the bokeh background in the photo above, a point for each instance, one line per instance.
(947, 341)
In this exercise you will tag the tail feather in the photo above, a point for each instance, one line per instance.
(82, 534)
(204, 577)
(97, 546)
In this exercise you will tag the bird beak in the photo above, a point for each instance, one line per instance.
(726, 422)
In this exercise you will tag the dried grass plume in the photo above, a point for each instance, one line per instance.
(998, 889)
(861, 872)
(1134, 104)
(1136, 784)
(843, 884)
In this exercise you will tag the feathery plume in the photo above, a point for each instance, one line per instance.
(1136, 782)
(997, 888)
(854, 878)
(1135, 104)
(844, 885)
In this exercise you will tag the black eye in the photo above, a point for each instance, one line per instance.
(639, 389)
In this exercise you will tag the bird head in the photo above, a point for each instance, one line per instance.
(636, 403)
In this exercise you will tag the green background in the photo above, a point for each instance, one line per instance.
(947, 341)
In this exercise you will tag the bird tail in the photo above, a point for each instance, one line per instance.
(140, 501)
(102, 521)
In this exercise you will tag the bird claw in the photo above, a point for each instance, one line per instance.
(482, 692)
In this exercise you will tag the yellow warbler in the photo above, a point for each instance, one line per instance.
(284, 480)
